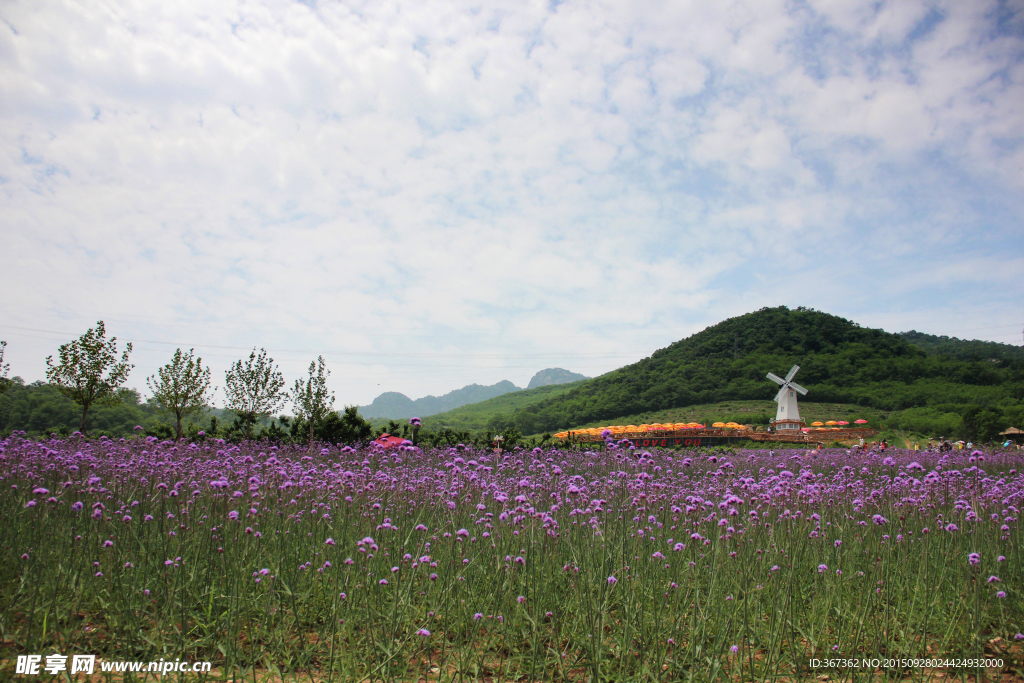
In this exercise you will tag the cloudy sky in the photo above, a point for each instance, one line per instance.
(431, 194)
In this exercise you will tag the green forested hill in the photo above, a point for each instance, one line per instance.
(963, 349)
(840, 362)
(40, 408)
(490, 414)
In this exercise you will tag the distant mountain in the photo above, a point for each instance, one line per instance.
(963, 349)
(394, 406)
(554, 376)
(492, 413)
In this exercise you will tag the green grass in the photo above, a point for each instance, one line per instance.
(475, 416)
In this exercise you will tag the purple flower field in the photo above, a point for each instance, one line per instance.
(365, 564)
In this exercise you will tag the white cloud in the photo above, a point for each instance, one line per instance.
(475, 193)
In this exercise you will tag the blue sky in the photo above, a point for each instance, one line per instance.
(431, 194)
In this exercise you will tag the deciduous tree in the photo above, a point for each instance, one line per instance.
(313, 401)
(4, 369)
(89, 370)
(182, 387)
(254, 388)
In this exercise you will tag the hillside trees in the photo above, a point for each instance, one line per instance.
(182, 387)
(983, 424)
(840, 362)
(254, 389)
(89, 371)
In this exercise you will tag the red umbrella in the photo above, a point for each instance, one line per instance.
(843, 422)
(388, 441)
(860, 422)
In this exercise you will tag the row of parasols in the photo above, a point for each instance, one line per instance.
(831, 424)
(657, 426)
(675, 426)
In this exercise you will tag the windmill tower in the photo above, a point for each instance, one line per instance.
(788, 414)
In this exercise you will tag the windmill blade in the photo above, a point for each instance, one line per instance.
(792, 372)
(797, 388)
(782, 393)
(775, 378)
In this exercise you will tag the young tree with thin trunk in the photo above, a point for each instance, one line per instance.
(89, 371)
(313, 402)
(4, 369)
(254, 389)
(182, 387)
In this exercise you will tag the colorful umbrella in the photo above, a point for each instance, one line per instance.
(817, 424)
(843, 422)
(860, 422)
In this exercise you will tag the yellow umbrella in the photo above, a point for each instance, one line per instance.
(718, 424)
(817, 424)
(831, 422)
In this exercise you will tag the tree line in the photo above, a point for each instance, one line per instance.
(88, 375)
(89, 372)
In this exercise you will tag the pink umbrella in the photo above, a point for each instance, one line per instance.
(843, 422)
(860, 422)
(388, 441)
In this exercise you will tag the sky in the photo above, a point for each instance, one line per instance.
(433, 194)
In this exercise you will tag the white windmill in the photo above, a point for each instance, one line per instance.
(788, 414)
